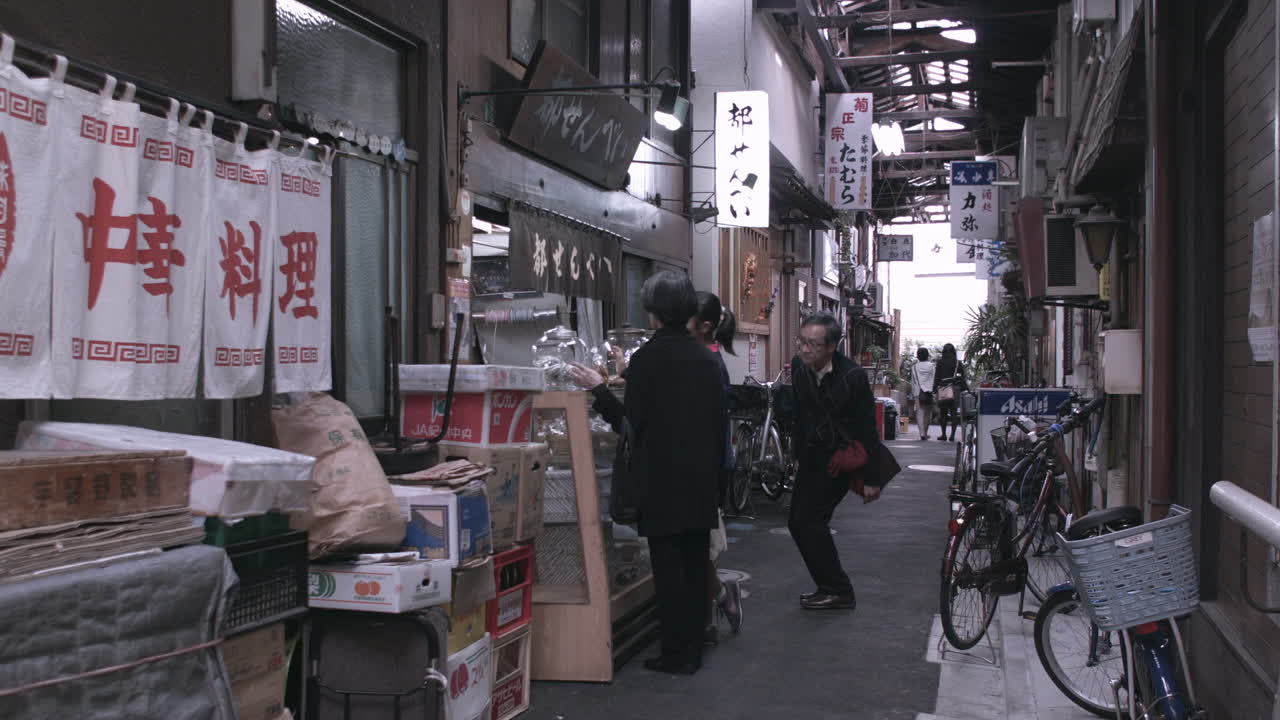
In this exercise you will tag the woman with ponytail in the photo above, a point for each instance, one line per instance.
(715, 326)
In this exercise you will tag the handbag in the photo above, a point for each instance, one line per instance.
(947, 394)
(852, 460)
(623, 494)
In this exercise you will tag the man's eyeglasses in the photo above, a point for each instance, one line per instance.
(811, 344)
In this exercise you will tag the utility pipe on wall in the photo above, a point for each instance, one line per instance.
(1158, 251)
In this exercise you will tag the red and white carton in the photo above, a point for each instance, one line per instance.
(492, 404)
(471, 681)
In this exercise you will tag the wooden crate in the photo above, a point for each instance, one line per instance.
(512, 658)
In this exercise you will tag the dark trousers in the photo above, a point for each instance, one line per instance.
(681, 564)
(812, 503)
(949, 416)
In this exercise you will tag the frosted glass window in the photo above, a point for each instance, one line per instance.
(327, 66)
(565, 24)
(362, 190)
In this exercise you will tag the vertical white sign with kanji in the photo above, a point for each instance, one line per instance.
(28, 124)
(238, 289)
(975, 201)
(849, 150)
(302, 288)
(742, 158)
(126, 315)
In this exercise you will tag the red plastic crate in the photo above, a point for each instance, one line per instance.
(512, 608)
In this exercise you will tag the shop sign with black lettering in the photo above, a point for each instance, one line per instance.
(550, 254)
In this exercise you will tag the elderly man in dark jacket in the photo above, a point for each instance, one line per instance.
(830, 390)
(676, 406)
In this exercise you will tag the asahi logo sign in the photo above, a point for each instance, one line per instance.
(1034, 405)
(1022, 402)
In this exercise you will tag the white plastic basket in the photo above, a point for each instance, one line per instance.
(1137, 575)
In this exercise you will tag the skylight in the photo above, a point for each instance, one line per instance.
(964, 36)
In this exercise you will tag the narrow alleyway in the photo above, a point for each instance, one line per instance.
(789, 663)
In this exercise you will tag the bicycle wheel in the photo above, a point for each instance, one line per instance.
(1080, 659)
(1046, 564)
(957, 475)
(740, 481)
(772, 466)
(967, 603)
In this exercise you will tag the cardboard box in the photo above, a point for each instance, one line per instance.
(495, 417)
(229, 479)
(470, 681)
(50, 487)
(502, 486)
(256, 668)
(533, 480)
(512, 660)
(473, 588)
(447, 524)
(391, 587)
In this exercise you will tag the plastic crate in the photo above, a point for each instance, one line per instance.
(273, 581)
(222, 534)
(512, 608)
(511, 664)
(1139, 574)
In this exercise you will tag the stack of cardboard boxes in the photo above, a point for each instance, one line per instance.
(470, 541)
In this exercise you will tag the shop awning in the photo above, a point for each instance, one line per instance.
(1113, 137)
(793, 198)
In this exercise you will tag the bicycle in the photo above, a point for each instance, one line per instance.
(999, 544)
(965, 475)
(1118, 638)
(762, 451)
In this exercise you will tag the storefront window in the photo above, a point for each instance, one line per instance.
(329, 67)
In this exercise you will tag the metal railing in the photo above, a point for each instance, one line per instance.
(1254, 515)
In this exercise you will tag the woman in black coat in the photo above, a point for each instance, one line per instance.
(677, 410)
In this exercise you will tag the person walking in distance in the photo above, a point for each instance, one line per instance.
(949, 373)
(922, 376)
(833, 402)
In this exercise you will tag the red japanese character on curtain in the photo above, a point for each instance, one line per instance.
(240, 274)
(158, 257)
(300, 273)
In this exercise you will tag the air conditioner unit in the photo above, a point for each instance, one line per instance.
(1085, 13)
(1044, 150)
(875, 298)
(1067, 270)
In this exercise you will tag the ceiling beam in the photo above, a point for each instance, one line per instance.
(910, 115)
(931, 155)
(910, 58)
(941, 88)
(910, 174)
(912, 15)
(835, 76)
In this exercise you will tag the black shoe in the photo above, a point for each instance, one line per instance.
(809, 595)
(671, 667)
(711, 636)
(826, 601)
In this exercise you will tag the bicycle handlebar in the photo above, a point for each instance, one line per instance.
(1058, 430)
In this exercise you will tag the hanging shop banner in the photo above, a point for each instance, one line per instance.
(554, 254)
(975, 207)
(302, 268)
(990, 262)
(895, 248)
(742, 158)
(593, 134)
(849, 150)
(238, 289)
(29, 111)
(126, 278)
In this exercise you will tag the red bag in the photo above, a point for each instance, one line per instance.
(850, 460)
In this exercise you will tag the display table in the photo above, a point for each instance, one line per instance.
(586, 613)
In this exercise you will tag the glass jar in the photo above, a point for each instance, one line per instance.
(626, 337)
(554, 351)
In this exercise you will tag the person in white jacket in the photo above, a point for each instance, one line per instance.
(922, 390)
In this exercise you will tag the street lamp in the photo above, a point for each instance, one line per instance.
(672, 111)
(1098, 229)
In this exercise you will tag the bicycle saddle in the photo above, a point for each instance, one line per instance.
(996, 469)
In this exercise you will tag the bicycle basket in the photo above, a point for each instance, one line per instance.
(747, 398)
(968, 405)
(1137, 575)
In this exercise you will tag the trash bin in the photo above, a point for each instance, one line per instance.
(891, 422)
